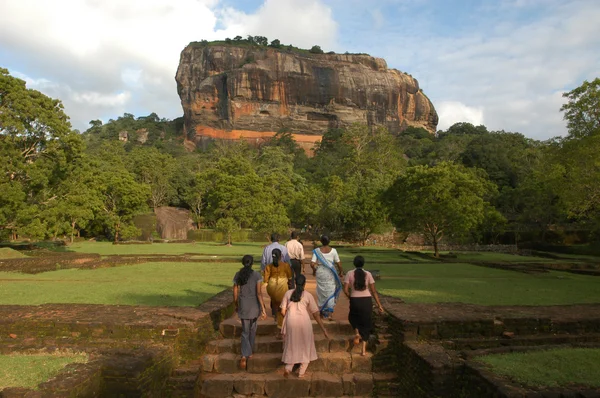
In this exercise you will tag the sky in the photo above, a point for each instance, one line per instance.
(501, 63)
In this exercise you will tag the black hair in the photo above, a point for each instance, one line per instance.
(246, 271)
(297, 294)
(294, 235)
(325, 240)
(276, 254)
(274, 237)
(359, 274)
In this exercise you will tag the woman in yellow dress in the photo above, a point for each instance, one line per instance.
(277, 277)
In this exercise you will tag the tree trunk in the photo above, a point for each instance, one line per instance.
(72, 230)
(229, 239)
(117, 226)
(435, 247)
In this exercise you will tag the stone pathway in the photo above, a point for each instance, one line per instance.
(339, 371)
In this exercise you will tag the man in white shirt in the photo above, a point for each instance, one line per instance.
(296, 252)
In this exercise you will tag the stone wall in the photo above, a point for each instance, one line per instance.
(133, 349)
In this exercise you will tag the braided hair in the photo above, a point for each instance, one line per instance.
(276, 255)
(246, 271)
(297, 294)
(359, 274)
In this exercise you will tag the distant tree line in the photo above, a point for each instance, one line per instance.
(262, 41)
(464, 184)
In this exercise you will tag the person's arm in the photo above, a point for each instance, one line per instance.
(376, 297)
(264, 260)
(347, 289)
(263, 309)
(340, 270)
(235, 297)
(317, 316)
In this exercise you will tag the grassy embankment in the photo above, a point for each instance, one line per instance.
(551, 368)
(28, 371)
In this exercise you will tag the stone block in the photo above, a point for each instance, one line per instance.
(263, 363)
(339, 343)
(362, 364)
(321, 344)
(226, 363)
(217, 387)
(348, 384)
(249, 384)
(318, 365)
(337, 362)
(208, 362)
(325, 385)
(363, 384)
(276, 386)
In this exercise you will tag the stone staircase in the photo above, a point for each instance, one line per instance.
(339, 371)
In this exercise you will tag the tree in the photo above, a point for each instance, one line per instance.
(156, 170)
(275, 44)
(438, 201)
(37, 150)
(579, 188)
(261, 40)
(228, 226)
(238, 38)
(316, 50)
(582, 111)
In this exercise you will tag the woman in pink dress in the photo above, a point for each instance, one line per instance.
(298, 339)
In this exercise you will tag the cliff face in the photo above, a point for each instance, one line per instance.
(232, 92)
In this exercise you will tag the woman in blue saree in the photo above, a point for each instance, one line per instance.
(328, 271)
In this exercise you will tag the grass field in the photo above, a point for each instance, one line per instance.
(156, 284)
(409, 276)
(6, 253)
(28, 371)
(107, 248)
(551, 368)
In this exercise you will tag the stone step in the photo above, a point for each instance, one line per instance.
(332, 362)
(271, 344)
(231, 328)
(181, 386)
(274, 385)
(386, 384)
(520, 341)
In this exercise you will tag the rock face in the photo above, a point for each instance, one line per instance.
(234, 92)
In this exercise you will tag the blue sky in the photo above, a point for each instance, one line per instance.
(504, 64)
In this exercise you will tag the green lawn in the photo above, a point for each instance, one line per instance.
(552, 368)
(6, 253)
(107, 248)
(156, 284)
(439, 282)
(404, 275)
(28, 371)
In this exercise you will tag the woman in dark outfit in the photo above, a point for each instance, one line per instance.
(247, 296)
(359, 286)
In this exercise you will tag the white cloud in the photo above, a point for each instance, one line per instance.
(302, 23)
(451, 112)
(106, 57)
(514, 72)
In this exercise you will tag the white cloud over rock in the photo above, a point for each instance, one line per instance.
(106, 57)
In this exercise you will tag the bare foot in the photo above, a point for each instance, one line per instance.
(243, 363)
(356, 339)
(286, 374)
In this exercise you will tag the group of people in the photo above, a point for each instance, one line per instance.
(292, 306)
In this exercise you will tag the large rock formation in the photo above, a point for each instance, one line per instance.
(234, 92)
